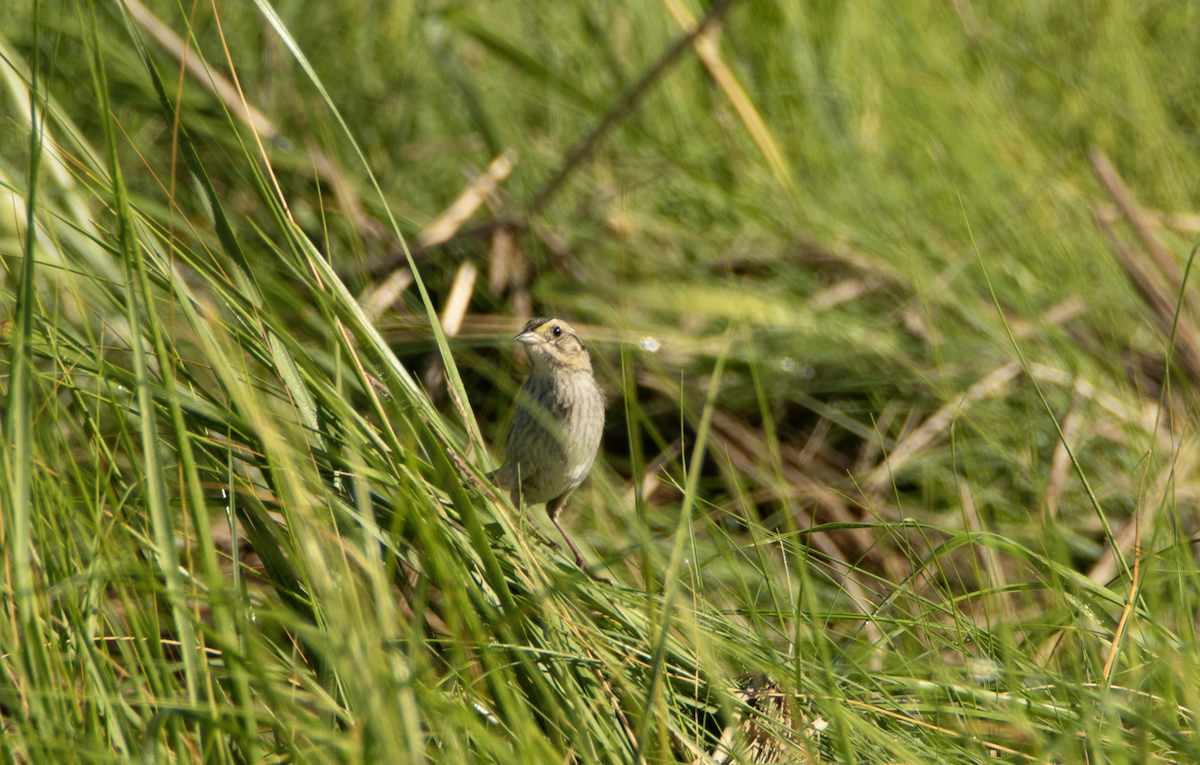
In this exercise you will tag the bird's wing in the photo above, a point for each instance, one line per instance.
(521, 420)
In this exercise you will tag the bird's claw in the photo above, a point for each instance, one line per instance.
(541, 536)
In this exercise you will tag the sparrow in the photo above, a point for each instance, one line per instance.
(558, 422)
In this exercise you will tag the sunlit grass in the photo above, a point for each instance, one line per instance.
(245, 521)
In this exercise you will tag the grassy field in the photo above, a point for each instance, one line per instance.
(888, 302)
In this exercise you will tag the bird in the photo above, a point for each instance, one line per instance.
(557, 426)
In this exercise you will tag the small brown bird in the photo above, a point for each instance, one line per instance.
(556, 430)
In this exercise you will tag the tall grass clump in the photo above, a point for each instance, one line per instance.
(891, 308)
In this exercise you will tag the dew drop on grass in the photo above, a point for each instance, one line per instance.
(648, 343)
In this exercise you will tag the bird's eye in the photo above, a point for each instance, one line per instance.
(557, 331)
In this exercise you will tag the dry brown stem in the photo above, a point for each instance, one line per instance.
(1129, 208)
(1161, 299)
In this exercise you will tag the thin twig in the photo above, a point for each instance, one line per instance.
(584, 148)
(1160, 299)
(1132, 212)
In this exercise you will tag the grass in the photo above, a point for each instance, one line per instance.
(899, 463)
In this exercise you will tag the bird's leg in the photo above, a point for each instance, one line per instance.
(537, 531)
(553, 507)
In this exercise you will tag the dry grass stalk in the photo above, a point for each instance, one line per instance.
(1114, 647)
(875, 269)
(750, 447)
(1170, 484)
(1129, 538)
(841, 292)
(1060, 313)
(741, 446)
(938, 424)
(213, 82)
(506, 267)
(993, 570)
(1061, 461)
(522, 305)
(459, 298)
(1065, 311)
(992, 385)
(1184, 223)
(1129, 208)
(877, 274)
(518, 282)
(583, 150)
(503, 245)
(869, 451)
(815, 442)
(705, 43)
(1162, 301)
(384, 296)
(1148, 417)
(453, 313)
(915, 324)
(468, 201)
(966, 16)
(411, 328)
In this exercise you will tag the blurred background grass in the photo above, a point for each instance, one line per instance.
(243, 515)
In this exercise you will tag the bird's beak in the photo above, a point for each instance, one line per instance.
(528, 338)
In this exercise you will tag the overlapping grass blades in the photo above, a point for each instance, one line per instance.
(225, 542)
(340, 511)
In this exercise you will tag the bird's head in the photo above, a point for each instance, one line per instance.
(554, 344)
